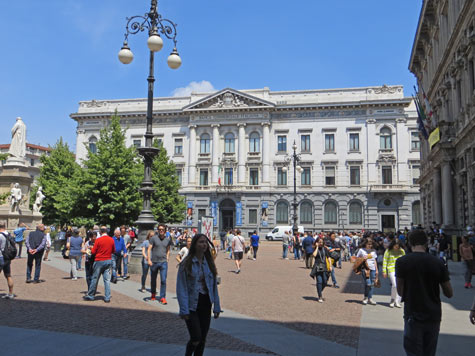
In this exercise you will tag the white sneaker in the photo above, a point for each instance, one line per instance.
(391, 305)
(372, 302)
(8, 296)
(365, 301)
(253, 259)
(74, 278)
(320, 300)
(398, 305)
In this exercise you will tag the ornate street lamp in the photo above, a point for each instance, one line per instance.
(295, 158)
(156, 26)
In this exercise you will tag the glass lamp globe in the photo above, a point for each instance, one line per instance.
(174, 60)
(299, 169)
(125, 54)
(155, 43)
(284, 169)
(294, 146)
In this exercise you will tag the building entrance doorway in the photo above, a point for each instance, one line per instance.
(388, 223)
(227, 213)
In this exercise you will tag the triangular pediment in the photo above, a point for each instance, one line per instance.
(229, 99)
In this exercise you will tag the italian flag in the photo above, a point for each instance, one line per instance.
(219, 174)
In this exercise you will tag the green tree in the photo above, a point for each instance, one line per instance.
(58, 177)
(109, 183)
(167, 205)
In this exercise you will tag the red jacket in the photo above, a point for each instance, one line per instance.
(103, 248)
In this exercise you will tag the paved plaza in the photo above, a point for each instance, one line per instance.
(269, 308)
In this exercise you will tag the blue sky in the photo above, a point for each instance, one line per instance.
(55, 53)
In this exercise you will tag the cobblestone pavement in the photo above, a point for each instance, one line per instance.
(57, 305)
(281, 291)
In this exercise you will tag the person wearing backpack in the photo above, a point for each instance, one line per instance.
(6, 241)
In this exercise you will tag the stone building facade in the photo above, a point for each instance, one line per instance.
(442, 59)
(359, 151)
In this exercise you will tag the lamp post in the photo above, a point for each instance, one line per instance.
(156, 26)
(295, 159)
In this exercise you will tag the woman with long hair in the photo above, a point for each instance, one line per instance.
(89, 264)
(370, 274)
(145, 265)
(197, 291)
(393, 252)
(320, 268)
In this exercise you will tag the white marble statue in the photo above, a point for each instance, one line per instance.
(18, 144)
(39, 200)
(15, 198)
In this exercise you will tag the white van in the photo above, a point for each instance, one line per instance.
(278, 232)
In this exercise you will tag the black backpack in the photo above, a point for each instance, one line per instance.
(10, 251)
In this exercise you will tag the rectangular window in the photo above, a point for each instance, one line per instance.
(178, 146)
(415, 141)
(305, 176)
(203, 177)
(354, 175)
(305, 143)
(387, 175)
(329, 143)
(354, 142)
(32, 162)
(281, 177)
(329, 175)
(416, 173)
(252, 216)
(254, 176)
(201, 213)
(137, 143)
(228, 176)
(282, 143)
(179, 176)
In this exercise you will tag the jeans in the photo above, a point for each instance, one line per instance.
(161, 267)
(333, 275)
(198, 326)
(369, 283)
(37, 257)
(116, 265)
(145, 269)
(101, 267)
(394, 295)
(339, 261)
(297, 253)
(89, 266)
(420, 338)
(79, 261)
(285, 251)
(222, 244)
(254, 251)
(126, 265)
(74, 263)
(20, 245)
(322, 278)
(468, 270)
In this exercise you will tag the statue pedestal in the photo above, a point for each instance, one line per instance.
(16, 171)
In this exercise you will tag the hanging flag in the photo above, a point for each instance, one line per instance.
(219, 174)
(427, 111)
(420, 118)
(428, 108)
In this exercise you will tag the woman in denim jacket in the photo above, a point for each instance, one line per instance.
(197, 290)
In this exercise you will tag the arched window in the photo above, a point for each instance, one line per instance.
(229, 143)
(204, 143)
(385, 138)
(330, 213)
(416, 212)
(306, 213)
(356, 213)
(282, 213)
(92, 144)
(254, 142)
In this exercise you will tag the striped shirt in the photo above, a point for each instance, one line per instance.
(389, 260)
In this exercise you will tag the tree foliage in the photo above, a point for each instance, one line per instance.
(58, 177)
(167, 205)
(108, 186)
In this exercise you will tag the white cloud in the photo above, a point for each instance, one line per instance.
(198, 87)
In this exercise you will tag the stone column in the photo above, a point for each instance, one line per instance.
(265, 152)
(192, 156)
(215, 157)
(437, 197)
(241, 154)
(447, 195)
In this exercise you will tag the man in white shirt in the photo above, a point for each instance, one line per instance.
(238, 249)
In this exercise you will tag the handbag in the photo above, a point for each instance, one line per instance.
(335, 255)
(246, 249)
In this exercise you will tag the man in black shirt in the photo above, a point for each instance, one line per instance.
(418, 276)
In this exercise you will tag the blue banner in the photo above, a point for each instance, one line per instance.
(264, 206)
(214, 212)
(238, 213)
